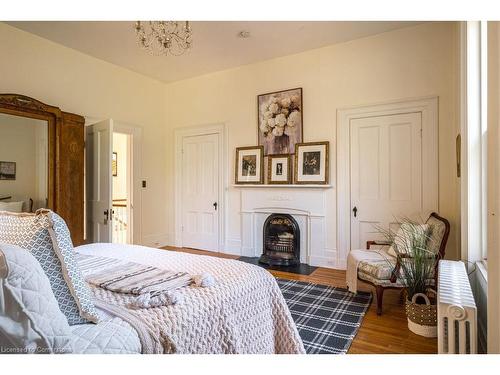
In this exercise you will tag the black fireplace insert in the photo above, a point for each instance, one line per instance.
(281, 241)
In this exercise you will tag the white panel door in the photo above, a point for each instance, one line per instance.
(200, 188)
(99, 148)
(386, 173)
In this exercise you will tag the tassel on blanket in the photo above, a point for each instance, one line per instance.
(145, 300)
(171, 297)
(204, 280)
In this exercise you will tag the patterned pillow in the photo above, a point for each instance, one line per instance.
(30, 318)
(46, 236)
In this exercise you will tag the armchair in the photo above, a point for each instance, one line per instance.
(383, 273)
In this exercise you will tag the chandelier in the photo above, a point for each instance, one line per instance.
(164, 37)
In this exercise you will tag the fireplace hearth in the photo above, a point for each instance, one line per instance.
(281, 241)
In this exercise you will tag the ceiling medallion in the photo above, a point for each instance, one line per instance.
(164, 37)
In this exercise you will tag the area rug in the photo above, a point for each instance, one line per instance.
(327, 318)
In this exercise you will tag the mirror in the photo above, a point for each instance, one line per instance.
(24, 161)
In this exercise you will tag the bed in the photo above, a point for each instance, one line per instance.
(244, 312)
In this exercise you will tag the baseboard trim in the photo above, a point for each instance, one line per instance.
(155, 240)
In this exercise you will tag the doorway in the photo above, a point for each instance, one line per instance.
(386, 173)
(122, 183)
(387, 166)
(113, 182)
(200, 199)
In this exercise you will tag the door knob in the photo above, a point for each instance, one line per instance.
(106, 216)
(215, 205)
(355, 210)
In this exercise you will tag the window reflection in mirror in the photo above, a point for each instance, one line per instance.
(23, 163)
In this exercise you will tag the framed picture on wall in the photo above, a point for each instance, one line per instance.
(279, 169)
(7, 170)
(280, 116)
(249, 165)
(114, 164)
(311, 163)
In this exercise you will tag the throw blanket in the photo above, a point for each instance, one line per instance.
(245, 311)
(154, 286)
(353, 259)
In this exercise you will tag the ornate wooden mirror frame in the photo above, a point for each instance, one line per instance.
(24, 106)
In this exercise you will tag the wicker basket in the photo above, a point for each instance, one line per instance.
(422, 319)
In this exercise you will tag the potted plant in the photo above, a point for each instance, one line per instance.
(415, 267)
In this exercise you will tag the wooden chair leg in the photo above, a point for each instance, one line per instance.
(380, 296)
(402, 296)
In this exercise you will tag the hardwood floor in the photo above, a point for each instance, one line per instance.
(386, 334)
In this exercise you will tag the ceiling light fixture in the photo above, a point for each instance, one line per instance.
(164, 37)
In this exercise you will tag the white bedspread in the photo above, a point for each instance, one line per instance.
(244, 312)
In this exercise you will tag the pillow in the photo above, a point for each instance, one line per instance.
(30, 318)
(45, 235)
(11, 206)
(403, 237)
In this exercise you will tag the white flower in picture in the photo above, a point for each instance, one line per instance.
(285, 102)
(278, 131)
(264, 127)
(280, 121)
(274, 108)
(294, 119)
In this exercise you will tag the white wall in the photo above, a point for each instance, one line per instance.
(78, 83)
(406, 63)
(19, 143)
(493, 187)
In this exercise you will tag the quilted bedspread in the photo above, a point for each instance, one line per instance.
(244, 312)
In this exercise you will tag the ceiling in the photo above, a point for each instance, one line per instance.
(216, 45)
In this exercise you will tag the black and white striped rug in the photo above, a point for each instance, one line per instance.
(327, 318)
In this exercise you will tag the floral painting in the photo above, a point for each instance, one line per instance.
(280, 121)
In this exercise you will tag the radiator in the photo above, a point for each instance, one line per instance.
(457, 315)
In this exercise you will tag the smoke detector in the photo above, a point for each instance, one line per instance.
(243, 34)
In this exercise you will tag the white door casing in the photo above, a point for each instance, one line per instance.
(386, 173)
(200, 188)
(428, 109)
(99, 148)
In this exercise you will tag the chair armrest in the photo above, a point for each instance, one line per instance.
(370, 243)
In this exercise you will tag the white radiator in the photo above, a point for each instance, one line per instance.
(457, 315)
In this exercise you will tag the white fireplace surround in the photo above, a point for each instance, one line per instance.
(305, 204)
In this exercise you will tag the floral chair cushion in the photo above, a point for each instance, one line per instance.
(378, 269)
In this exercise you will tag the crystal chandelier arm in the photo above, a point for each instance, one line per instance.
(164, 37)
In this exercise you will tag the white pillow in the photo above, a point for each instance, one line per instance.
(403, 237)
(11, 206)
(45, 235)
(30, 318)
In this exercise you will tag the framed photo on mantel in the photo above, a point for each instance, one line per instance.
(311, 163)
(279, 169)
(249, 167)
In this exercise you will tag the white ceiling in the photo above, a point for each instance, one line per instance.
(216, 45)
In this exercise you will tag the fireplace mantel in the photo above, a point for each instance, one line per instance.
(306, 203)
